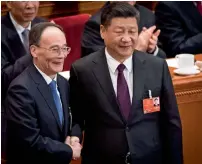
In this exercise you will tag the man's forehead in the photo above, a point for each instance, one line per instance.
(128, 25)
(51, 34)
(51, 30)
(120, 20)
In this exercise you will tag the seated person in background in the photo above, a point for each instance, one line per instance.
(181, 27)
(14, 51)
(15, 27)
(147, 41)
(37, 104)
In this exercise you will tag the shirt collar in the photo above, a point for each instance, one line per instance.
(46, 77)
(113, 63)
(18, 27)
(195, 3)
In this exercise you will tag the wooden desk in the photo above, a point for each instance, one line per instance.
(188, 90)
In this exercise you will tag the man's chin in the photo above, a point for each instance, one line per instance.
(126, 53)
(28, 18)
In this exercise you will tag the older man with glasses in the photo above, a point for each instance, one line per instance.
(39, 117)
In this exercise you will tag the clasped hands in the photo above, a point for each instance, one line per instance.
(74, 143)
(147, 39)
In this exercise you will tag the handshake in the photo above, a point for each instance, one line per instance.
(73, 142)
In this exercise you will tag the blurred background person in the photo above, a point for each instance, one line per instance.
(181, 26)
(15, 27)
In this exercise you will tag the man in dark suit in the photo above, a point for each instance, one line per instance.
(14, 55)
(38, 104)
(181, 27)
(107, 89)
(92, 41)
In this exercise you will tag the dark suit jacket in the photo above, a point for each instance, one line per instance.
(154, 138)
(14, 58)
(34, 132)
(92, 41)
(181, 27)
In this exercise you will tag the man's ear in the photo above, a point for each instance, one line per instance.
(33, 51)
(102, 31)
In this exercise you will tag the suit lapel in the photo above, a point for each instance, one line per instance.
(14, 40)
(64, 99)
(101, 73)
(45, 92)
(138, 82)
(16, 44)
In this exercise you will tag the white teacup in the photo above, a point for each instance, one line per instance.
(185, 60)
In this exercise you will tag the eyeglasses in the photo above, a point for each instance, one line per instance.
(57, 50)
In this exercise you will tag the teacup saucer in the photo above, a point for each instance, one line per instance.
(186, 71)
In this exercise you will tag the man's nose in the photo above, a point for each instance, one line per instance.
(30, 4)
(126, 38)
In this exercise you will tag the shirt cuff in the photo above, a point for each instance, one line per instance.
(156, 51)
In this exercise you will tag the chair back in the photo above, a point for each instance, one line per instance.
(73, 27)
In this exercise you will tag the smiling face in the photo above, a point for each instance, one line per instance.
(23, 11)
(45, 57)
(120, 37)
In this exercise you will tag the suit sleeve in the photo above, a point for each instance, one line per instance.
(23, 125)
(91, 40)
(161, 53)
(173, 35)
(76, 102)
(170, 122)
(11, 71)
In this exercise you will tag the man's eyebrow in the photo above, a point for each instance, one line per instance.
(58, 46)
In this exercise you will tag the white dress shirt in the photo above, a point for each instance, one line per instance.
(49, 80)
(18, 27)
(156, 51)
(128, 72)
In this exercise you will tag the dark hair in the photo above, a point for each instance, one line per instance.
(37, 30)
(118, 9)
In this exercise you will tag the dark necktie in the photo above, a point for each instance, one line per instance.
(25, 37)
(123, 92)
(57, 100)
(199, 6)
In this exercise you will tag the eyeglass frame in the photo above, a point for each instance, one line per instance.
(59, 48)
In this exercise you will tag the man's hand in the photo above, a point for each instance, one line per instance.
(74, 139)
(76, 146)
(153, 42)
(147, 39)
